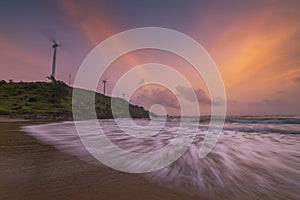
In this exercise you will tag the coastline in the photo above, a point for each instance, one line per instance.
(4, 118)
(44, 118)
(32, 170)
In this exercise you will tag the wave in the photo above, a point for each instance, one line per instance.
(244, 119)
(269, 120)
(264, 130)
(242, 165)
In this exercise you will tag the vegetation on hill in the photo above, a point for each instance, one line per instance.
(53, 101)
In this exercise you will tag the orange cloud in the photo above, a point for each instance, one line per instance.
(254, 54)
(96, 24)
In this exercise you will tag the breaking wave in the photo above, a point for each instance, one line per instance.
(250, 160)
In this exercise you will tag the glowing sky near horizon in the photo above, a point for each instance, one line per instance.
(255, 44)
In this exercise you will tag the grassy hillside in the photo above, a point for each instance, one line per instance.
(41, 100)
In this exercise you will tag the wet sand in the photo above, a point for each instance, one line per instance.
(31, 170)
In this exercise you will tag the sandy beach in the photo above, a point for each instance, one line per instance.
(12, 119)
(31, 170)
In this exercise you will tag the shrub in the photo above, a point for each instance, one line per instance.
(2, 82)
(4, 112)
(32, 99)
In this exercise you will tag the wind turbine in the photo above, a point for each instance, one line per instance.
(54, 46)
(104, 86)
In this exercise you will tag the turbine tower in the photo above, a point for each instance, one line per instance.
(54, 46)
(104, 86)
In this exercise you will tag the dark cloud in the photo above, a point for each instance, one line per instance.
(280, 92)
(297, 79)
(264, 103)
(231, 102)
(187, 94)
(268, 106)
(148, 97)
(218, 101)
(142, 81)
(272, 101)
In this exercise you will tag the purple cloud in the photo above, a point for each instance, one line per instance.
(297, 79)
(187, 94)
(164, 97)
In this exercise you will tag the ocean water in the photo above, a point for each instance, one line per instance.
(254, 158)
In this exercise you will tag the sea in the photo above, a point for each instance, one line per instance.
(255, 157)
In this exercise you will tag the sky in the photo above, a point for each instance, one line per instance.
(254, 43)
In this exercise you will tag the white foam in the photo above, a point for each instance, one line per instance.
(243, 164)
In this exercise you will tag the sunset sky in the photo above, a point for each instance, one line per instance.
(255, 44)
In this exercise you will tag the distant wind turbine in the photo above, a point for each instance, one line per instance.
(104, 86)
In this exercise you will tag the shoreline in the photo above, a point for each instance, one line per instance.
(32, 170)
(35, 117)
(43, 118)
(12, 119)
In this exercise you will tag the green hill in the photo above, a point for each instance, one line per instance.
(53, 101)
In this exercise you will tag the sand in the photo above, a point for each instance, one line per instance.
(31, 170)
(6, 118)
